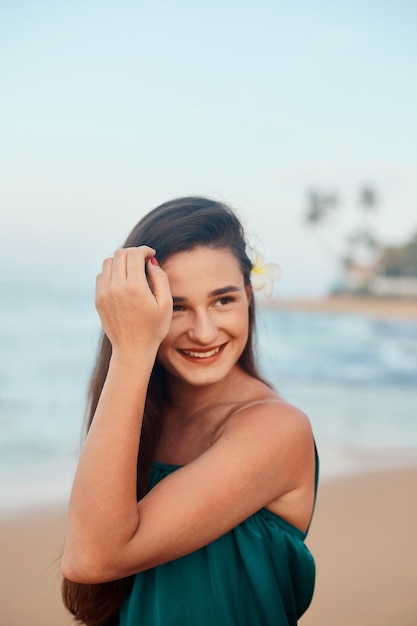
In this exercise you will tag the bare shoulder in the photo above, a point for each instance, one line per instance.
(268, 415)
(272, 433)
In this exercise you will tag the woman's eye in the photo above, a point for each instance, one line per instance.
(224, 300)
(177, 307)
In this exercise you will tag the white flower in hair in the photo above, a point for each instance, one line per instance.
(262, 275)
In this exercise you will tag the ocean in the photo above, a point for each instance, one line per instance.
(354, 375)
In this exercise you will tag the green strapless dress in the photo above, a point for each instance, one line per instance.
(259, 574)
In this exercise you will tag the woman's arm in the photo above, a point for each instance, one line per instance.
(135, 318)
(265, 455)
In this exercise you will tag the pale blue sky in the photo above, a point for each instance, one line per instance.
(109, 108)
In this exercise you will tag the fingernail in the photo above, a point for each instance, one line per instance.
(154, 261)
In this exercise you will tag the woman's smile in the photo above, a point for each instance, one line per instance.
(200, 354)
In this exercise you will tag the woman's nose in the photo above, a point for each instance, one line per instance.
(203, 329)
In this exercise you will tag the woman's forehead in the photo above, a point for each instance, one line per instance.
(201, 256)
(206, 267)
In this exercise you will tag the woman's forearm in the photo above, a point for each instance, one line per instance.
(102, 511)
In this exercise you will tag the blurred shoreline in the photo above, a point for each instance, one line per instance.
(389, 308)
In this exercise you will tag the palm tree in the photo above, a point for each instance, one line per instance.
(319, 206)
(361, 246)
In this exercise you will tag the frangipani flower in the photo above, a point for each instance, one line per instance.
(263, 275)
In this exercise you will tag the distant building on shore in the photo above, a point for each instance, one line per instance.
(392, 273)
(368, 280)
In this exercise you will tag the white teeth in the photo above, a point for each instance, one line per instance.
(202, 355)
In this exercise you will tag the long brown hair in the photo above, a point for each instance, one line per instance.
(175, 226)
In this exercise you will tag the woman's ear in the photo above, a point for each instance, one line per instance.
(248, 290)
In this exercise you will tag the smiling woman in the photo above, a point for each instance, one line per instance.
(196, 484)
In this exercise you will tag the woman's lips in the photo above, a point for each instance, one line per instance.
(201, 354)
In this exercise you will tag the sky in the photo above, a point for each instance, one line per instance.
(110, 108)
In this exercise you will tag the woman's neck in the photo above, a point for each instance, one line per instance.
(191, 402)
(195, 415)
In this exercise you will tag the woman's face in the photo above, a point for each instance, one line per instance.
(210, 320)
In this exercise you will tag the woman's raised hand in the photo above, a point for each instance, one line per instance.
(134, 301)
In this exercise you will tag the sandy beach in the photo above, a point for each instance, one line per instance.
(394, 308)
(363, 539)
(364, 542)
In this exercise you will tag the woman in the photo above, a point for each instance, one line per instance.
(196, 484)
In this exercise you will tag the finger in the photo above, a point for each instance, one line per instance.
(136, 264)
(159, 283)
(107, 270)
(119, 267)
(103, 279)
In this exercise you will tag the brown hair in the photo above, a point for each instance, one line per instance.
(176, 226)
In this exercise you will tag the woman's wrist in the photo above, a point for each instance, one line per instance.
(143, 357)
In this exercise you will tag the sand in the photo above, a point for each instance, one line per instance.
(394, 308)
(364, 541)
(30, 545)
(363, 538)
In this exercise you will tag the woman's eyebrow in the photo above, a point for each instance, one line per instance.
(216, 292)
(223, 290)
